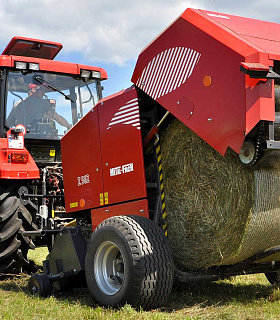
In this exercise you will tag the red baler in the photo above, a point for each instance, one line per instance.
(218, 74)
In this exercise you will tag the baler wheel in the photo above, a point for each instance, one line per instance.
(40, 285)
(129, 260)
(248, 154)
(14, 220)
(273, 278)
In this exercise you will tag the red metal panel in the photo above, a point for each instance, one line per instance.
(256, 29)
(52, 66)
(121, 145)
(9, 170)
(102, 155)
(220, 32)
(272, 47)
(5, 61)
(136, 208)
(172, 69)
(193, 70)
(55, 66)
(259, 102)
(21, 46)
(81, 160)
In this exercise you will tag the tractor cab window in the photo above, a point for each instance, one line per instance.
(48, 104)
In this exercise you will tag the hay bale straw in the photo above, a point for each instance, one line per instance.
(218, 210)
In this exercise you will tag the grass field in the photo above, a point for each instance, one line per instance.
(244, 297)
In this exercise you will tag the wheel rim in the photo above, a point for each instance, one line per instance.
(34, 286)
(247, 152)
(109, 268)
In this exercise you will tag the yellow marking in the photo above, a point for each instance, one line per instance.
(72, 223)
(158, 149)
(52, 213)
(160, 167)
(160, 177)
(164, 226)
(165, 233)
(161, 186)
(163, 205)
(159, 158)
(101, 196)
(101, 202)
(164, 215)
(106, 195)
(52, 153)
(74, 204)
(162, 196)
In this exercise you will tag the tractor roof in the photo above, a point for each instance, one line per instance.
(41, 52)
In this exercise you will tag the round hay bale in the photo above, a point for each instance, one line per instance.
(210, 202)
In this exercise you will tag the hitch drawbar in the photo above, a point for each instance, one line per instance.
(41, 232)
(65, 263)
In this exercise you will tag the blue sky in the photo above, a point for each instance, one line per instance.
(119, 76)
(110, 33)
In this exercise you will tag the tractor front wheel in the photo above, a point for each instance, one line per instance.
(15, 218)
(129, 261)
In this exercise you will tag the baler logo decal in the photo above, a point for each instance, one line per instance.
(126, 168)
(168, 71)
(127, 114)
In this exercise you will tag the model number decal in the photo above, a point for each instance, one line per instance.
(126, 168)
(83, 180)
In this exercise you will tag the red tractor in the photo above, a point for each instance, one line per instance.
(41, 100)
(216, 73)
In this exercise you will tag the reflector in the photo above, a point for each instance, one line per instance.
(19, 157)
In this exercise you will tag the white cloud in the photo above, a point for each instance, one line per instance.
(103, 30)
(111, 31)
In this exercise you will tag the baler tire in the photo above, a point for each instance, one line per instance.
(273, 278)
(14, 245)
(39, 285)
(129, 260)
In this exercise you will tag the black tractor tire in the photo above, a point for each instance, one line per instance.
(273, 278)
(14, 220)
(39, 285)
(129, 260)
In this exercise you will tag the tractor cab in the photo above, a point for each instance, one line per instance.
(47, 104)
(47, 97)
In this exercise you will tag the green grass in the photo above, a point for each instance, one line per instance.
(244, 297)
